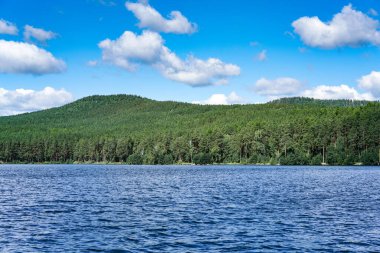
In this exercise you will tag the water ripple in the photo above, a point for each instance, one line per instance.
(61, 208)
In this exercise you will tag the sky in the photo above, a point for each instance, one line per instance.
(205, 52)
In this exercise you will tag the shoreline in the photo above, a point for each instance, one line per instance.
(190, 164)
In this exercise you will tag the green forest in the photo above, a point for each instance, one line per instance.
(135, 130)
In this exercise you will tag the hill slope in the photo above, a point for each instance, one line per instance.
(123, 128)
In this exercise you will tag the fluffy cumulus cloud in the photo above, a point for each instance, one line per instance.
(130, 50)
(222, 99)
(153, 20)
(38, 34)
(197, 72)
(283, 86)
(22, 100)
(286, 86)
(371, 83)
(7, 27)
(347, 28)
(25, 58)
(336, 92)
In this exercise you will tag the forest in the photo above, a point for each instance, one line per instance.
(135, 130)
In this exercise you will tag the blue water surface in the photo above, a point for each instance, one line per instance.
(99, 208)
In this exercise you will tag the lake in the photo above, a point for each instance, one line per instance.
(100, 208)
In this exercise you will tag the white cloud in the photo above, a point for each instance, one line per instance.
(7, 28)
(153, 20)
(19, 57)
(130, 50)
(286, 86)
(41, 35)
(22, 100)
(197, 72)
(222, 99)
(283, 86)
(336, 92)
(262, 56)
(371, 83)
(347, 28)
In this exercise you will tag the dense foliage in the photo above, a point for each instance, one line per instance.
(137, 130)
(310, 101)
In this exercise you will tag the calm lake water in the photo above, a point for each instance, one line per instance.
(79, 208)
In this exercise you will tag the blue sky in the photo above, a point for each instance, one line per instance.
(261, 50)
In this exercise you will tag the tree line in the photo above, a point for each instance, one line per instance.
(133, 130)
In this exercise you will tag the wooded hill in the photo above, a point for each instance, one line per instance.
(135, 130)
